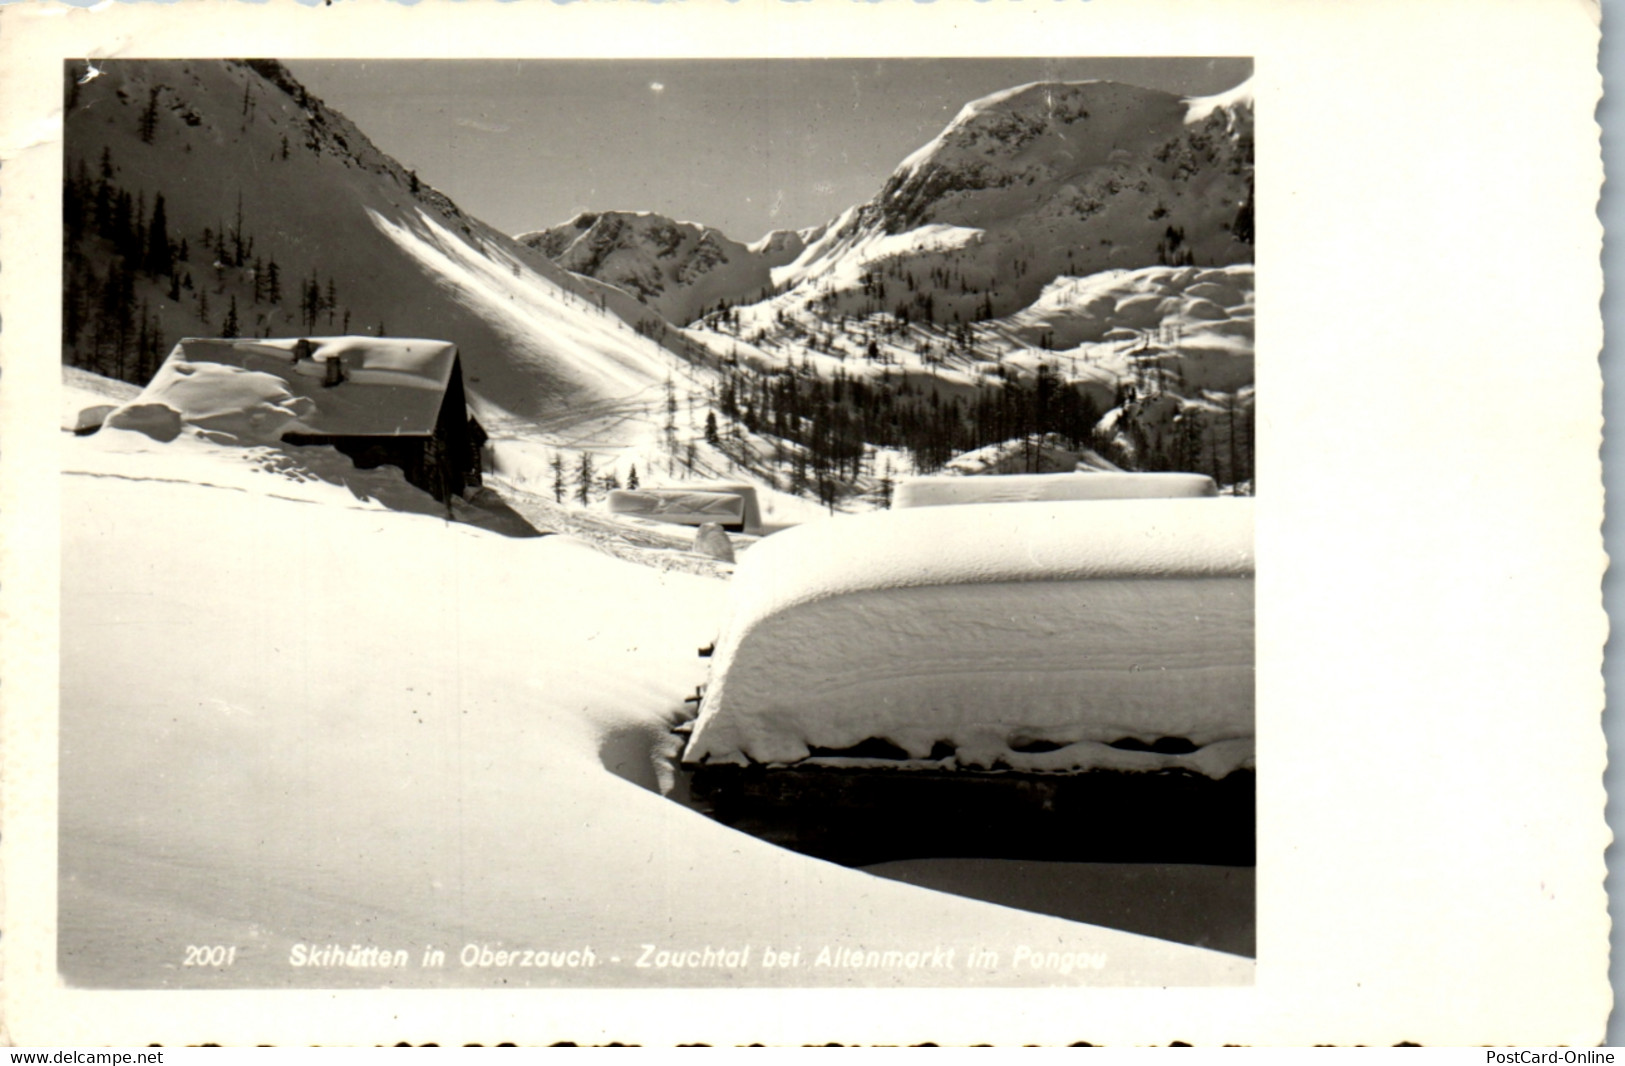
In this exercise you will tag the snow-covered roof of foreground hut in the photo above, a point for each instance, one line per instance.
(391, 387)
(1027, 635)
(1017, 488)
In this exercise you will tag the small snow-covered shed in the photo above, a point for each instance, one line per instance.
(1032, 636)
(680, 506)
(733, 505)
(382, 401)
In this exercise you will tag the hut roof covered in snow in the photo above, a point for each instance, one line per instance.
(990, 627)
(1019, 488)
(390, 386)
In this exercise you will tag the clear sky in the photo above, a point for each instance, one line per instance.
(746, 146)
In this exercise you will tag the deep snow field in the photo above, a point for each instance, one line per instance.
(297, 709)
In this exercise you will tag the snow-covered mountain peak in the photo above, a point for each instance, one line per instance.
(781, 246)
(1021, 148)
(678, 268)
(1007, 123)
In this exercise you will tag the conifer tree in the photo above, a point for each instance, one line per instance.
(310, 301)
(584, 479)
(118, 228)
(558, 478)
(136, 249)
(160, 260)
(238, 253)
(73, 312)
(1243, 224)
(76, 193)
(149, 116)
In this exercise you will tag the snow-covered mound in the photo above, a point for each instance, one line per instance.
(1190, 328)
(88, 398)
(152, 440)
(245, 404)
(82, 387)
(1022, 488)
(1024, 635)
(678, 268)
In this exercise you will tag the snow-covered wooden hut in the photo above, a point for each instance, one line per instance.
(680, 507)
(1040, 679)
(733, 505)
(382, 401)
(1030, 636)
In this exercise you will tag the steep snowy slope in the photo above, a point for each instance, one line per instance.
(280, 218)
(678, 268)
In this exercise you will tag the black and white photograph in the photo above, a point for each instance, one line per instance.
(517, 500)
(786, 523)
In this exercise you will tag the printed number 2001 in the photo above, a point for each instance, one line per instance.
(216, 955)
